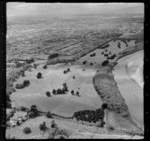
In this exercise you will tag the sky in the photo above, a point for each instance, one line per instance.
(28, 9)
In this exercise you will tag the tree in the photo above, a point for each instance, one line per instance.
(39, 75)
(65, 72)
(53, 124)
(33, 108)
(104, 106)
(34, 65)
(22, 73)
(72, 92)
(84, 62)
(27, 130)
(77, 93)
(48, 115)
(54, 91)
(48, 93)
(65, 88)
(26, 83)
(59, 91)
(105, 63)
(45, 67)
(68, 69)
(42, 126)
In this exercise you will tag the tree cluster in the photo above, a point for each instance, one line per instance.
(33, 112)
(48, 94)
(66, 71)
(112, 57)
(42, 126)
(93, 54)
(61, 91)
(25, 83)
(49, 115)
(53, 56)
(73, 93)
(45, 67)
(89, 115)
(27, 130)
(105, 63)
(39, 75)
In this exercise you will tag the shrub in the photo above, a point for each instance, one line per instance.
(48, 93)
(39, 75)
(27, 130)
(42, 126)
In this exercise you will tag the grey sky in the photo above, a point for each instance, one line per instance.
(20, 9)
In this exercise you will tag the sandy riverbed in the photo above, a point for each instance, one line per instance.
(130, 85)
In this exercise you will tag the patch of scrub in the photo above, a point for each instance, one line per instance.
(130, 90)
